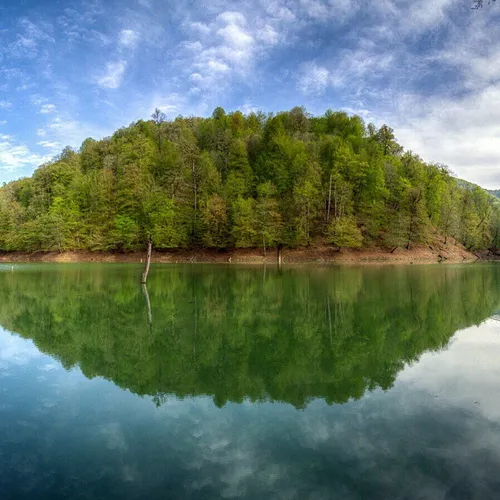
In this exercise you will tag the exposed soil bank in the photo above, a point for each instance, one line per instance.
(451, 253)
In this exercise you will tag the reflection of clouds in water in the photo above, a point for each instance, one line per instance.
(427, 447)
(466, 374)
(113, 436)
(426, 450)
(15, 350)
(48, 367)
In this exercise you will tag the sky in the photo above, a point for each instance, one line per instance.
(430, 69)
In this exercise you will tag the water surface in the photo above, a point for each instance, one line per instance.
(249, 382)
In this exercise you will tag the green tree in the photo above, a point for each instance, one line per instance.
(268, 216)
(344, 232)
(244, 224)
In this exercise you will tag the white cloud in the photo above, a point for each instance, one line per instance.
(230, 52)
(5, 105)
(193, 46)
(62, 130)
(268, 35)
(231, 17)
(47, 109)
(53, 146)
(14, 155)
(277, 10)
(313, 79)
(196, 77)
(236, 37)
(174, 104)
(462, 133)
(217, 66)
(79, 24)
(70, 131)
(128, 38)
(423, 15)
(15, 350)
(357, 67)
(315, 8)
(201, 28)
(29, 38)
(38, 100)
(171, 104)
(113, 76)
(248, 108)
(458, 124)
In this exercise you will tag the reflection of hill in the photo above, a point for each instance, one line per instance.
(236, 333)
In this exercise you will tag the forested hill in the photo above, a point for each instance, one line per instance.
(235, 180)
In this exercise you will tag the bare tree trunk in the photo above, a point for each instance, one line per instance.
(144, 277)
(280, 257)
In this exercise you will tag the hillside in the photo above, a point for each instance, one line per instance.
(236, 181)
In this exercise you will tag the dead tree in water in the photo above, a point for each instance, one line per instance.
(144, 277)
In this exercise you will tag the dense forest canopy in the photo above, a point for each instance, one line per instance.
(235, 180)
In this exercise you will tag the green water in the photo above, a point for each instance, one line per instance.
(249, 382)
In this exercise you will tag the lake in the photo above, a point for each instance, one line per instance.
(249, 382)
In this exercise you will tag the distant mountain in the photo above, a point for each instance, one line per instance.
(494, 192)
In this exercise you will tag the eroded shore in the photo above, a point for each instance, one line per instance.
(315, 254)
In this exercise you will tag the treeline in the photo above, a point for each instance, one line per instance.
(243, 181)
(245, 333)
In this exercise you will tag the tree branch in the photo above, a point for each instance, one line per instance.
(478, 4)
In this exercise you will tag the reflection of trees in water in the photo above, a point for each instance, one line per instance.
(236, 333)
(148, 306)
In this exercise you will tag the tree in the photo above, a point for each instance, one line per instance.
(259, 180)
(385, 137)
(269, 220)
(214, 215)
(244, 224)
(344, 232)
(417, 219)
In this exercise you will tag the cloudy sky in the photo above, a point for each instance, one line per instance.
(428, 68)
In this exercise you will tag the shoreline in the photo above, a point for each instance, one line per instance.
(451, 254)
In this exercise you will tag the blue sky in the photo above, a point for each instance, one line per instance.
(76, 69)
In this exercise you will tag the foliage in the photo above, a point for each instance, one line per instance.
(232, 180)
(344, 232)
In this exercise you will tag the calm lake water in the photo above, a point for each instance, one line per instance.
(249, 382)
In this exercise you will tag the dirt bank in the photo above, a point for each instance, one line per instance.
(451, 253)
